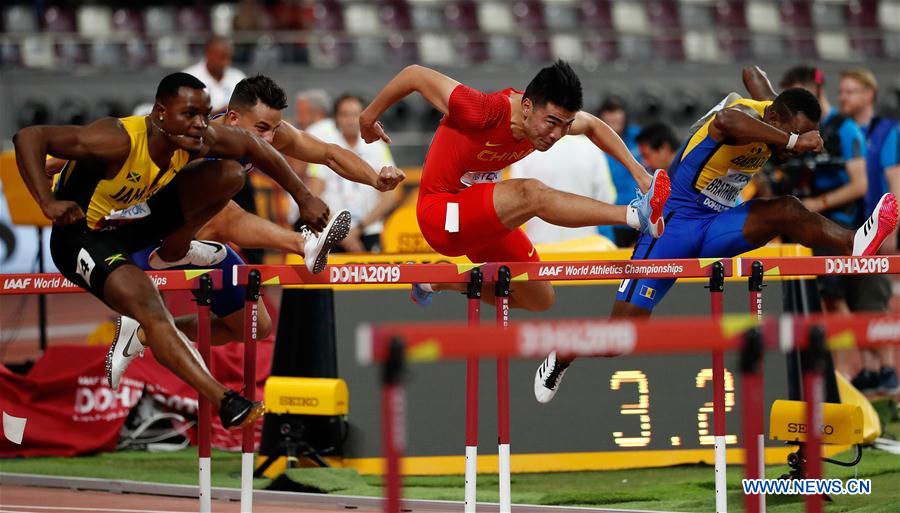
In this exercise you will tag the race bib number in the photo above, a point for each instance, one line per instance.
(725, 190)
(473, 177)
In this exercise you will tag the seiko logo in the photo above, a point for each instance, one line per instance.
(309, 402)
(857, 265)
(798, 427)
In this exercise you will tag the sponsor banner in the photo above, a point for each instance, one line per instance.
(824, 265)
(57, 284)
(355, 274)
(70, 410)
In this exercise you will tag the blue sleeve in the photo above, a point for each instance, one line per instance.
(890, 150)
(853, 142)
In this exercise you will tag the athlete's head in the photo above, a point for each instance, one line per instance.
(218, 53)
(256, 106)
(657, 145)
(612, 112)
(810, 78)
(857, 91)
(550, 103)
(347, 109)
(794, 110)
(181, 111)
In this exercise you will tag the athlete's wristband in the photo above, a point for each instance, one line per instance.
(792, 140)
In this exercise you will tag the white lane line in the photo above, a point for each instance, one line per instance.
(70, 508)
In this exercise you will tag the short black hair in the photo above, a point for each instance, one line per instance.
(797, 100)
(170, 84)
(260, 88)
(345, 97)
(656, 135)
(804, 74)
(557, 84)
(612, 104)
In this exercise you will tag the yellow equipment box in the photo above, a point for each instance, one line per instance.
(306, 396)
(842, 423)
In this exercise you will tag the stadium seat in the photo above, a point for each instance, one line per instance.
(731, 24)
(630, 17)
(327, 51)
(361, 19)
(536, 49)
(701, 46)
(328, 15)
(473, 50)
(159, 21)
(799, 37)
(597, 14)
(265, 53)
(289, 15)
(561, 15)
(401, 49)
(38, 51)
(602, 48)
(796, 13)
(889, 17)
(94, 20)
(763, 18)
(567, 47)
(503, 49)
(71, 51)
(667, 40)
(395, 14)
(833, 45)
(461, 15)
(19, 19)
(495, 17)
(106, 54)
(138, 52)
(59, 19)
(427, 15)
(863, 13)
(437, 49)
(696, 13)
(529, 14)
(829, 14)
(221, 19)
(10, 53)
(193, 19)
(172, 52)
(127, 20)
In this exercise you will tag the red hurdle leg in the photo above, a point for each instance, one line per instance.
(473, 294)
(393, 431)
(752, 399)
(204, 413)
(501, 293)
(755, 284)
(251, 316)
(716, 287)
(814, 389)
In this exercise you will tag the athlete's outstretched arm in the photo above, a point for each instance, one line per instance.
(432, 85)
(757, 83)
(609, 141)
(235, 143)
(739, 125)
(309, 148)
(103, 140)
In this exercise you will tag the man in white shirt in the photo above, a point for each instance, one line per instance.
(573, 165)
(216, 72)
(367, 206)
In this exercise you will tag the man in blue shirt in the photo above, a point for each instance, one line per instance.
(857, 92)
(832, 183)
(612, 112)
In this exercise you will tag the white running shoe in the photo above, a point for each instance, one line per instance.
(548, 377)
(201, 253)
(125, 348)
(317, 247)
(877, 227)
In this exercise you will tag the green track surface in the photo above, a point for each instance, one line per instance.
(686, 488)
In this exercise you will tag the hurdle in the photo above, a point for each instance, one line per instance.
(795, 267)
(393, 345)
(203, 282)
(503, 275)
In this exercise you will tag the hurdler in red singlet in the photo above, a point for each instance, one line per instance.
(465, 209)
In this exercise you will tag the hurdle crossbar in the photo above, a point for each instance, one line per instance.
(821, 265)
(356, 274)
(55, 283)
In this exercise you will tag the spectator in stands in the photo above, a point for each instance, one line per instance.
(657, 145)
(612, 112)
(311, 111)
(857, 92)
(216, 72)
(573, 165)
(368, 206)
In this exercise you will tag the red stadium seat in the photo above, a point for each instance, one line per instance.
(863, 13)
(59, 19)
(601, 47)
(597, 14)
(462, 15)
(529, 14)
(536, 49)
(192, 19)
(127, 20)
(328, 15)
(667, 41)
(471, 49)
(395, 14)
